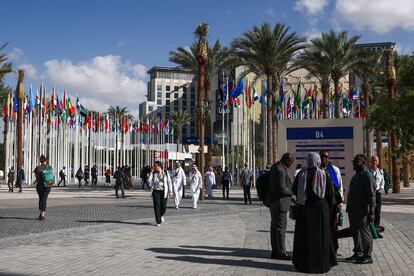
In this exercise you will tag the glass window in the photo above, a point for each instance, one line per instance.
(159, 87)
(167, 109)
(159, 95)
(167, 102)
(167, 95)
(192, 89)
(150, 109)
(159, 101)
(192, 96)
(167, 88)
(185, 89)
(175, 88)
(175, 95)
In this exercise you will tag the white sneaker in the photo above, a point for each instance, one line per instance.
(194, 207)
(162, 219)
(176, 206)
(158, 225)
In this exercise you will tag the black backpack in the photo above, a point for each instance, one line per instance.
(262, 186)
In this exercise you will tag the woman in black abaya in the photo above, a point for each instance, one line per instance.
(313, 249)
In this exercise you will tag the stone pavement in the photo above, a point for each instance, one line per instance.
(89, 232)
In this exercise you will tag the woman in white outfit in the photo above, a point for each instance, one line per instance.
(210, 181)
(178, 181)
(196, 184)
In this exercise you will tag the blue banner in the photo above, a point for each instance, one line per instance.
(319, 133)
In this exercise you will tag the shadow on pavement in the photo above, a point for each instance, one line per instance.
(116, 221)
(18, 218)
(231, 262)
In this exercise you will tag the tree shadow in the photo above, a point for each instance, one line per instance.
(116, 221)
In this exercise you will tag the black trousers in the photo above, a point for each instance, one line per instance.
(145, 182)
(278, 226)
(94, 180)
(377, 209)
(361, 234)
(43, 193)
(160, 204)
(64, 181)
(246, 193)
(119, 186)
(226, 185)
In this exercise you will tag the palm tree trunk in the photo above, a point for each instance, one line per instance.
(406, 171)
(391, 80)
(366, 90)
(325, 99)
(269, 120)
(201, 102)
(209, 158)
(5, 131)
(337, 98)
(275, 84)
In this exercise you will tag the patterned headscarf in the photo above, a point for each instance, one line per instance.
(313, 160)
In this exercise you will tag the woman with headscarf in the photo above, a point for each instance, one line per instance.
(313, 249)
(210, 181)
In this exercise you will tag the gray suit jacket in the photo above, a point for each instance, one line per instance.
(361, 194)
(280, 188)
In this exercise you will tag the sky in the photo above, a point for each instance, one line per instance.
(101, 50)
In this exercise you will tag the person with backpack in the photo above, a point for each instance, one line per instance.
(119, 182)
(227, 178)
(246, 180)
(278, 199)
(94, 174)
(43, 174)
(62, 175)
(10, 179)
(79, 175)
(160, 183)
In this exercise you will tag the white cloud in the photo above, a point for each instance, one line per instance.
(15, 55)
(105, 79)
(312, 33)
(269, 12)
(30, 71)
(310, 7)
(380, 16)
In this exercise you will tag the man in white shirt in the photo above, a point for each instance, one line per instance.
(379, 186)
(196, 184)
(178, 182)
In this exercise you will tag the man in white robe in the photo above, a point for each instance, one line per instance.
(178, 181)
(210, 181)
(196, 184)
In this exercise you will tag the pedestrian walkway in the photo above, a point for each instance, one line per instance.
(100, 235)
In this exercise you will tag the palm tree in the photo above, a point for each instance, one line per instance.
(314, 62)
(180, 118)
(367, 69)
(268, 52)
(218, 58)
(5, 68)
(340, 54)
(117, 113)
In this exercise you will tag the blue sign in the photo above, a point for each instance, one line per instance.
(195, 141)
(321, 133)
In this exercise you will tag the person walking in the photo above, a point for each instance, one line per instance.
(79, 175)
(178, 182)
(336, 180)
(108, 176)
(313, 250)
(144, 176)
(196, 184)
(246, 180)
(86, 175)
(20, 179)
(10, 179)
(94, 174)
(127, 178)
(119, 182)
(379, 188)
(226, 179)
(160, 183)
(42, 188)
(361, 210)
(62, 175)
(279, 199)
(210, 181)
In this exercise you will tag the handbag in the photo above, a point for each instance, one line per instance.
(294, 209)
(373, 230)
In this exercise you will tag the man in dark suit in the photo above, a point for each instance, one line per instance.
(361, 210)
(278, 196)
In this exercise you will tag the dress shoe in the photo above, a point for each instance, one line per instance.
(352, 258)
(364, 260)
(283, 256)
(380, 236)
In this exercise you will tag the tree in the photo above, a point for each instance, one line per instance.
(118, 113)
(218, 58)
(268, 52)
(340, 54)
(180, 118)
(5, 68)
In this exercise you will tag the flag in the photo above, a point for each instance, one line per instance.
(308, 98)
(281, 96)
(248, 96)
(238, 89)
(255, 96)
(263, 98)
(70, 108)
(6, 108)
(106, 122)
(53, 98)
(32, 101)
(78, 105)
(83, 111)
(355, 95)
(237, 103)
(298, 95)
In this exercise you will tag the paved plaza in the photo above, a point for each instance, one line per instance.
(89, 232)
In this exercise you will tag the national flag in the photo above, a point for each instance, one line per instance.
(231, 101)
(248, 95)
(83, 111)
(308, 98)
(263, 98)
(298, 95)
(53, 98)
(15, 104)
(106, 122)
(7, 107)
(237, 103)
(238, 89)
(70, 108)
(78, 104)
(255, 96)
(355, 95)
(32, 101)
(281, 96)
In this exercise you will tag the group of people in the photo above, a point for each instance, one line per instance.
(19, 181)
(318, 190)
(83, 175)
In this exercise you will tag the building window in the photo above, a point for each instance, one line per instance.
(175, 88)
(167, 102)
(175, 95)
(192, 89)
(192, 96)
(176, 104)
(167, 95)
(159, 101)
(150, 109)
(184, 89)
(167, 88)
(159, 95)
(185, 103)
(159, 87)
(167, 110)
